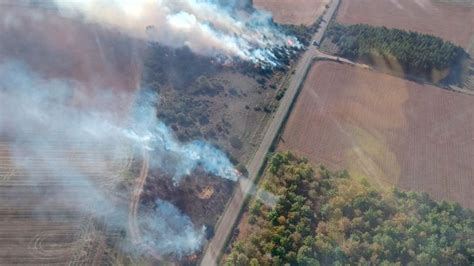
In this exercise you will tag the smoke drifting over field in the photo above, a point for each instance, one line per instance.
(41, 113)
(178, 159)
(177, 235)
(72, 104)
(208, 27)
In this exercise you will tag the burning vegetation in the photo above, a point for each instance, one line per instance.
(139, 148)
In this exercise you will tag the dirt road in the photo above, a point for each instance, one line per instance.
(133, 225)
(228, 219)
(135, 201)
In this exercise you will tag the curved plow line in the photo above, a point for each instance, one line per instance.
(133, 226)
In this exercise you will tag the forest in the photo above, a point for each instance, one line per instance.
(328, 218)
(418, 54)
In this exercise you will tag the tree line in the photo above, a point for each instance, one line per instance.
(418, 54)
(322, 217)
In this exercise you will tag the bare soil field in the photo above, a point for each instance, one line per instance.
(468, 3)
(451, 22)
(295, 12)
(386, 129)
(39, 218)
(48, 185)
(67, 49)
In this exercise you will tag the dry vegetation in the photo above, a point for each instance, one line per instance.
(448, 21)
(294, 12)
(200, 196)
(228, 106)
(394, 132)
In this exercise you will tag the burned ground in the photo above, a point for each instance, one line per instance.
(186, 195)
(227, 105)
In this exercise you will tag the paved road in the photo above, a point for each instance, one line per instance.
(227, 221)
(318, 37)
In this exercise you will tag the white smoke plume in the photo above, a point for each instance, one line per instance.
(207, 27)
(41, 114)
(177, 235)
(178, 159)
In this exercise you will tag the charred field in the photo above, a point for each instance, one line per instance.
(227, 105)
(201, 196)
(211, 100)
(78, 183)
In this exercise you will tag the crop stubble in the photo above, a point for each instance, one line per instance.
(392, 131)
(39, 222)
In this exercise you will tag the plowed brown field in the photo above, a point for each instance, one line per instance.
(47, 199)
(59, 47)
(39, 220)
(295, 12)
(448, 21)
(392, 131)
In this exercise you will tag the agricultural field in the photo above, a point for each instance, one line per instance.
(65, 49)
(327, 218)
(40, 222)
(452, 22)
(294, 12)
(225, 105)
(391, 131)
(47, 179)
(74, 49)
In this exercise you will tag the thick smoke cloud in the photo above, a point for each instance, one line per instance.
(41, 114)
(207, 27)
(57, 99)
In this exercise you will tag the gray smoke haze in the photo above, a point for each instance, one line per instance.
(39, 115)
(207, 27)
(74, 122)
(177, 236)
